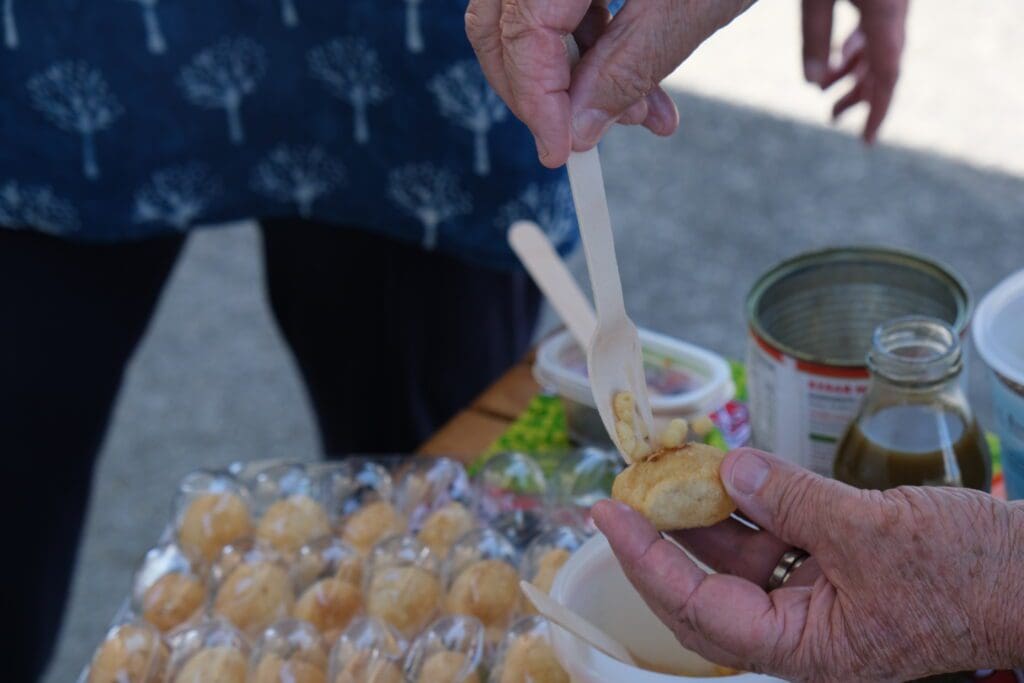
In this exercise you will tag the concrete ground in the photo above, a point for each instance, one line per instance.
(752, 177)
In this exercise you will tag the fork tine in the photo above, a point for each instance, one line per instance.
(638, 384)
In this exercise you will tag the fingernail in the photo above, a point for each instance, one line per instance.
(814, 71)
(749, 473)
(603, 509)
(588, 125)
(542, 149)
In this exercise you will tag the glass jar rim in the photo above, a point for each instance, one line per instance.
(915, 349)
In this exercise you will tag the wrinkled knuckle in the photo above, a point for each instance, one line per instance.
(476, 28)
(629, 82)
(513, 22)
(885, 511)
(795, 499)
(680, 615)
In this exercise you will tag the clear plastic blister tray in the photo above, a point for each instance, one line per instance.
(352, 569)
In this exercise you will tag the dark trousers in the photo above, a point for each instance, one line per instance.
(391, 342)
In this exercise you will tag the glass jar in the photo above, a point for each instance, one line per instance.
(915, 426)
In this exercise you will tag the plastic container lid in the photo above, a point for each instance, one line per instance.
(999, 328)
(683, 379)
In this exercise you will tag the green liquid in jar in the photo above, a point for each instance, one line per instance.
(908, 445)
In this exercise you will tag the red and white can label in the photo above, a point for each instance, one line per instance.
(800, 410)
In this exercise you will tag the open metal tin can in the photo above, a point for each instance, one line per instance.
(811, 320)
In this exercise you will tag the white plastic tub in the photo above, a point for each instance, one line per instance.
(684, 380)
(592, 584)
(999, 337)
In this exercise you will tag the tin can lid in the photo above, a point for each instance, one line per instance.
(684, 380)
(999, 328)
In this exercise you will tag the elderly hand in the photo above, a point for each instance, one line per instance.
(871, 54)
(899, 584)
(520, 47)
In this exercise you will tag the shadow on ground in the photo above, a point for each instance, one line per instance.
(698, 217)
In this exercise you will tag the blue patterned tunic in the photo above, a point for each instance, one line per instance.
(122, 119)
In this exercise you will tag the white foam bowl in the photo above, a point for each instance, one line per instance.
(592, 584)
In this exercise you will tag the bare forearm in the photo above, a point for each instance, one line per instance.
(1005, 613)
(1014, 612)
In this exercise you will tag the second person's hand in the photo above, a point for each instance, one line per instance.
(871, 54)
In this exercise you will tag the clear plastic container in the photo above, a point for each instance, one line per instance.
(211, 651)
(684, 380)
(526, 655)
(324, 558)
(451, 650)
(328, 579)
(211, 509)
(512, 496)
(254, 590)
(369, 651)
(482, 581)
(582, 478)
(290, 651)
(169, 589)
(428, 484)
(402, 586)
(131, 652)
(350, 484)
(273, 481)
(546, 556)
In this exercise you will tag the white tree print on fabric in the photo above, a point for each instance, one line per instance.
(75, 97)
(351, 71)
(300, 174)
(548, 205)
(464, 97)
(37, 207)
(289, 13)
(413, 27)
(10, 25)
(221, 76)
(176, 196)
(431, 194)
(155, 41)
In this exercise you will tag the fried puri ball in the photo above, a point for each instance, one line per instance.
(220, 664)
(211, 521)
(275, 669)
(329, 605)
(405, 597)
(350, 570)
(372, 523)
(172, 600)
(254, 596)
(677, 488)
(547, 568)
(293, 522)
(487, 590)
(315, 561)
(365, 668)
(444, 526)
(444, 667)
(133, 654)
(530, 659)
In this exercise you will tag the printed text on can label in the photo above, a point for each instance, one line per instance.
(801, 410)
